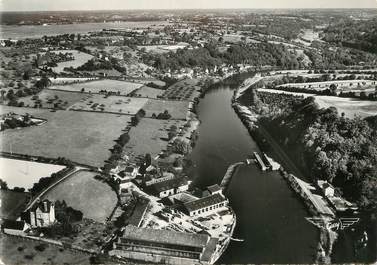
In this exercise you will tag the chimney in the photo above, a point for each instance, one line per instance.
(45, 206)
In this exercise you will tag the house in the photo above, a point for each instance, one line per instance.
(214, 189)
(164, 246)
(42, 214)
(13, 227)
(169, 187)
(326, 188)
(205, 205)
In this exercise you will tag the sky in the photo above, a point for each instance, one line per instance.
(50, 5)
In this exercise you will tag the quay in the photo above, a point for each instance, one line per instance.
(229, 174)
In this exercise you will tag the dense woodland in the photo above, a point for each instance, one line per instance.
(335, 148)
(354, 34)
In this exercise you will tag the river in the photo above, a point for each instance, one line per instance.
(38, 31)
(270, 217)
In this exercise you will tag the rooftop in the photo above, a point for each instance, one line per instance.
(44, 206)
(214, 188)
(204, 202)
(165, 236)
(169, 184)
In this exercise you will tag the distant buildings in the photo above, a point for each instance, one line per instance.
(164, 246)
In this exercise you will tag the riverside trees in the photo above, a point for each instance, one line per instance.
(338, 149)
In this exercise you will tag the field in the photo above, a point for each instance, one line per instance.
(48, 98)
(115, 86)
(163, 48)
(12, 204)
(95, 199)
(183, 90)
(82, 137)
(148, 92)
(350, 107)
(149, 136)
(23, 174)
(69, 80)
(80, 59)
(177, 109)
(20, 251)
(113, 104)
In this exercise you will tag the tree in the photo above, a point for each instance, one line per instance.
(3, 185)
(333, 89)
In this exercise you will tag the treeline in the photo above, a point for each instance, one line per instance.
(325, 144)
(209, 56)
(360, 35)
(327, 57)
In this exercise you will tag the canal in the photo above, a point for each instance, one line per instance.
(270, 218)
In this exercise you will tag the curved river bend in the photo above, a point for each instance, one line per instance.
(270, 218)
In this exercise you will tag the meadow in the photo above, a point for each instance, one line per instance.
(12, 204)
(177, 109)
(148, 92)
(96, 87)
(50, 98)
(149, 136)
(23, 174)
(111, 104)
(80, 59)
(94, 198)
(82, 137)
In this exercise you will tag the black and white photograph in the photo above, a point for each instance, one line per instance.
(187, 132)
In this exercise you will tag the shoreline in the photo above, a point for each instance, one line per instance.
(327, 237)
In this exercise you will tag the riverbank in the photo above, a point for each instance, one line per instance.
(327, 237)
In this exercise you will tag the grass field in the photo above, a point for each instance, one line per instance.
(12, 204)
(113, 104)
(23, 174)
(350, 107)
(149, 136)
(95, 199)
(123, 87)
(148, 92)
(15, 250)
(69, 80)
(80, 59)
(82, 137)
(177, 109)
(48, 98)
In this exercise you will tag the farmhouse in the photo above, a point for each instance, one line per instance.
(205, 205)
(42, 214)
(164, 246)
(169, 187)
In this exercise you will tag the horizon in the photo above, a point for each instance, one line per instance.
(169, 5)
(190, 9)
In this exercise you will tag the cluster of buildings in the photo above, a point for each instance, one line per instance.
(41, 214)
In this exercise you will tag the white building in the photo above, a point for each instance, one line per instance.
(42, 214)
